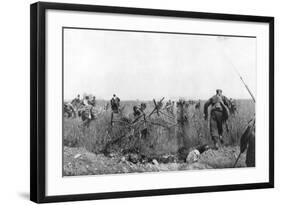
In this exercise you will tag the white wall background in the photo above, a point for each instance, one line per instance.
(14, 85)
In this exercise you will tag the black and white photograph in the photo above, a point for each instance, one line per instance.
(133, 102)
(139, 101)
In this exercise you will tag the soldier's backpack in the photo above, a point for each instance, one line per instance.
(115, 104)
(218, 103)
(136, 110)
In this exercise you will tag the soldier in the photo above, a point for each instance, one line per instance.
(115, 103)
(198, 105)
(86, 112)
(106, 106)
(233, 106)
(86, 100)
(138, 110)
(247, 141)
(69, 110)
(76, 100)
(219, 114)
(92, 101)
(169, 106)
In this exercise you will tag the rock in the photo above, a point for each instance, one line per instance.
(123, 159)
(77, 156)
(167, 159)
(198, 165)
(125, 170)
(193, 156)
(134, 158)
(111, 155)
(155, 162)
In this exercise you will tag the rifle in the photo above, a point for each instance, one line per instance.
(236, 71)
(246, 86)
(237, 159)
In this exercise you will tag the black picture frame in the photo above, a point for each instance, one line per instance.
(38, 100)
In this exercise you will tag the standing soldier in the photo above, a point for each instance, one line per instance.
(219, 114)
(115, 104)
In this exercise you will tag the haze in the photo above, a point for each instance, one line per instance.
(139, 65)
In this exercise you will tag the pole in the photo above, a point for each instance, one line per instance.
(237, 159)
(234, 67)
(246, 86)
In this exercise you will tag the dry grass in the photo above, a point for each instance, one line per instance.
(159, 140)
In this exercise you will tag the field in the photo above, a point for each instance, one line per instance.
(163, 145)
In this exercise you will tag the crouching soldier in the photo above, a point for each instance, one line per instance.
(138, 110)
(69, 110)
(247, 141)
(218, 116)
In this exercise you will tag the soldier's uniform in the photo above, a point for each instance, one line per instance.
(247, 141)
(218, 115)
(138, 110)
(86, 112)
(69, 109)
(115, 103)
(92, 101)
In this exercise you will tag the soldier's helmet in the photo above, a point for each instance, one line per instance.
(143, 105)
(218, 91)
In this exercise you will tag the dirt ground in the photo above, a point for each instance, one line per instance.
(78, 161)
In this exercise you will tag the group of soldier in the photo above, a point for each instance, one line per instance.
(220, 109)
(81, 106)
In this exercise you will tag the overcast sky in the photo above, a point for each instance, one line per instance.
(139, 65)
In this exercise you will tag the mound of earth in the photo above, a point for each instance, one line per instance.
(78, 161)
(224, 157)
